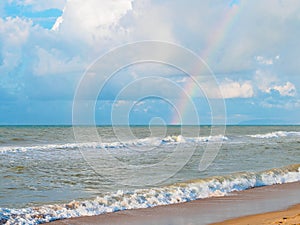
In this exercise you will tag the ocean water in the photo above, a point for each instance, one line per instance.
(47, 174)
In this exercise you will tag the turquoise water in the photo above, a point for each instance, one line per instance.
(46, 165)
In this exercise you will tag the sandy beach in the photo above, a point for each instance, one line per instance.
(253, 206)
(290, 216)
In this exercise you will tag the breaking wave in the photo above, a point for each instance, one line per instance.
(116, 145)
(276, 134)
(144, 198)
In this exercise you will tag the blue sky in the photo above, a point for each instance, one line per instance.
(252, 48)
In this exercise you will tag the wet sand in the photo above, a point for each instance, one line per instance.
(211, 210)
(286, 217)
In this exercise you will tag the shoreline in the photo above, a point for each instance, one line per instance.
(290, 215)
(249, 203)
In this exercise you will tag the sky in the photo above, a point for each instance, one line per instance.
(251, 47)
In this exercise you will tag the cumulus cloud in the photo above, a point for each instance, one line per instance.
(268, 82)
(92, 20)
(54, 63)
(234, 89)
(57, 23)
(14, 33)
(148, 21)
(228, 89)
(264, 79)
(111, 23)
(287, 89)
(231, 46)
(261, 46)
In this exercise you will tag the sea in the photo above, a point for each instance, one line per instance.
(49, 173)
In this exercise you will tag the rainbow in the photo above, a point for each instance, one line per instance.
(217, 38)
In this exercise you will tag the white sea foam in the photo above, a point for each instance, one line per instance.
(276, 134)
(174, 140)
(144, 198)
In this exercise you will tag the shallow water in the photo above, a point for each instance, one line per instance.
(46, 165)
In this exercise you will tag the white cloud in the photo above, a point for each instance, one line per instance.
(287, 89)
(14, 33)
(264, 80)
(57, 23)
(233, 37)
(111, 23)
(267, 82)
(55, 62)
(228, 89)
(87, 29)
(92, 20)
(234, 89)
(241, 36)
(267, 61)
(148, 20)
(262, 60)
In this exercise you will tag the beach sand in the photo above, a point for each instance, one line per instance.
(212, 210)
(289, 216)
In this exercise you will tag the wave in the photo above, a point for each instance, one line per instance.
(181, 139)
(276, 134)
(147, 142)
(144, 198)
(116, 145)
